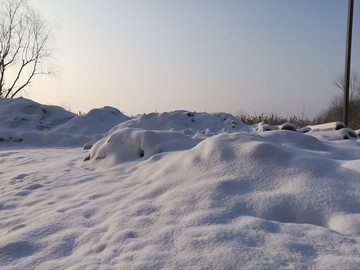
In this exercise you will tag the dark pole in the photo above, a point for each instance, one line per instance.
(348, 61)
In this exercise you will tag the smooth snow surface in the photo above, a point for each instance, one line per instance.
(162, 191)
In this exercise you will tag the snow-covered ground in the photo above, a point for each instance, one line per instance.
(176, 190)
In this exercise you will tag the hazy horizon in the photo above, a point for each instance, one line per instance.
(234, 56)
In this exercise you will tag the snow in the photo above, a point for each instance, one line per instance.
(190, 123)
(328, 126)
(94, 122)
(131, 144)
(23, 120)
(175, 190)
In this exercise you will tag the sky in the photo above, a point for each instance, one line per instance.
(245, 56)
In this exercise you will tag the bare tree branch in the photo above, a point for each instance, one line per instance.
(24, 46)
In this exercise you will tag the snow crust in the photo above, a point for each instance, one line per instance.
(162, 191)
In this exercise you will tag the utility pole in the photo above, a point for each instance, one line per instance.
(348, 61)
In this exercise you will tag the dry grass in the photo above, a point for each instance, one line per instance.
(272, 119)
(299, 122)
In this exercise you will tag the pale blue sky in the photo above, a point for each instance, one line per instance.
(278, 56)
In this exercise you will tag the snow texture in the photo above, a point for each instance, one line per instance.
(176, 190)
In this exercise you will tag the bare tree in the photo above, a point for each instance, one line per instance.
(24, 46)
(335, 110)
(354, 85)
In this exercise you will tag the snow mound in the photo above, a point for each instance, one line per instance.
(128, 144)
(189, 123)
(22, 114)
(96, 121)
(295, 180)
(25, 122)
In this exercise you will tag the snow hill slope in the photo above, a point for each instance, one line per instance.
(148, 197)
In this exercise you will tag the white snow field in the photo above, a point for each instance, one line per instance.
(176, 190)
